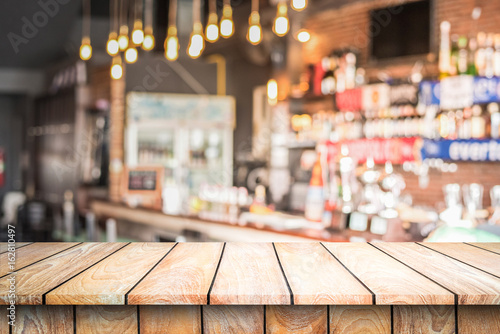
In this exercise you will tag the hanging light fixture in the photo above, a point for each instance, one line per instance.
(149, 41)
(86, 48)
(226, 23)
(272, 92)
(212, 29)
(117, 68)
(112, 46)
(303, 36)
(281, 24)
(299, 5)
(131, 55)
(254, 34)
(172, 41)
(137, 32)
(123, 36)
(196, 41)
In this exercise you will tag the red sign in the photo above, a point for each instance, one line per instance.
(350, 100)
(396, 150)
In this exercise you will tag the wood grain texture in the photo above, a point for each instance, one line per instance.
(44, 320)
(33, 253)
(391, 281)
(183, 277)
(233, 319)
(170, 319)
(107, 282)
(431, 319)
(366, 319)
(36, 280)
(491, 246)
(106, 319)
(473, 256)
(283, 319)
(249, 274)
(472, 286)
(316, 277)
(478, 319)
(4, 321)
(4, 246)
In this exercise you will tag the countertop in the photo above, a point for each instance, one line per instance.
(306, 273)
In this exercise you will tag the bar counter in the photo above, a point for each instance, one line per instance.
(309, 287)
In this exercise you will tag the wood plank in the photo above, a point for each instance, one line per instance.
(235, 319)
(367, 319)
(282, 319)
(4, 246)
(249, 274)
(472, 286)
(107, 282)
(33, 253)
(36, 280)
(183, 277)
(478, 319)
(44, 319)
(4, 321)
(430, 319)
(170, 319)
(391, 281)
(491, 246)
(96, 319)
(482, 259)
(316, 277)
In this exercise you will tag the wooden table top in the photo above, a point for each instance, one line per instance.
(311, 273)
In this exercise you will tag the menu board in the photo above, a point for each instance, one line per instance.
(142, 180)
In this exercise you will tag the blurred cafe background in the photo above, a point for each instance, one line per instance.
(250, 120)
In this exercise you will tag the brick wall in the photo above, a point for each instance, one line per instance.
(349, 26)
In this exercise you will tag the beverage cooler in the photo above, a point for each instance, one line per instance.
(190, 136)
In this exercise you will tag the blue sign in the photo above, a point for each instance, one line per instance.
(486, 90)
(462, 149)
(429, 92)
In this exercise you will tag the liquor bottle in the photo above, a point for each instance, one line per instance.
(471, 65)
(444, 49)
(494, 111)
(489, 56)
(478, 123)
(480, 57)
(315, 201)
(454, 55)
(497, 55)
(462, 55)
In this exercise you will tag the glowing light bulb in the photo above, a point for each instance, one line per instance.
(272, 91)
(137, 33)
(131, 55)
(116, 68)
(123, 38)
(196, 41)
(281, 24)
(112, 45)
(299, 5)
(172, 44)
(227, 24)
(303, 36)
(85, 49)
(149, 41)
(254, 34)
(212, 29)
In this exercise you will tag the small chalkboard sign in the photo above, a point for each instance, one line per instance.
(142, 180)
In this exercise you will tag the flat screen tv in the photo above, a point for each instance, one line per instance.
(400, 31)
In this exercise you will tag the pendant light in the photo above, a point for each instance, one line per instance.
(86, 48)
(272, 92)
(123, 36)
(172, 41)
(112, 45)
(196, 41)
(299, 5)
(226, 23)
(137, 32)
(117, 68)
(212, 29)
(281, 24)
(149, 41)
(254, 34)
